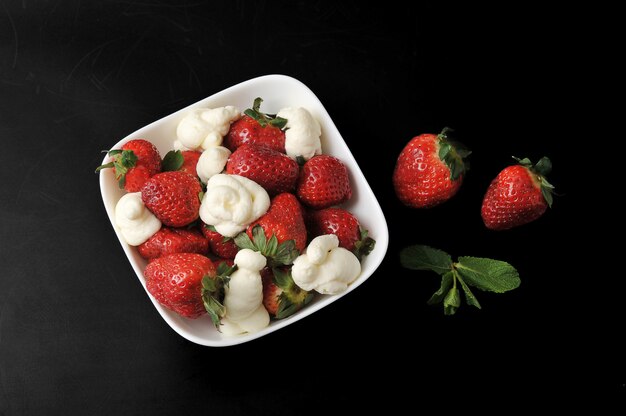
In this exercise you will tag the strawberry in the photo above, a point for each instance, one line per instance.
(284, 220)
(257, 128)
(190, 160)
(429, 170)
(323, 182)
(518, 195)
(344, 225)
(175, 281)
(274, 171)
(173, 197)
(173, 240)
(185, 161)
(134, 164)
(221, 246)
(281, 296)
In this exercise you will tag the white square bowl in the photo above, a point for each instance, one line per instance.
(277, 91)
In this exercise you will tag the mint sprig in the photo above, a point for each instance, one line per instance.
(482, 273)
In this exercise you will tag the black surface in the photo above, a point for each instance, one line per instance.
(78, 334)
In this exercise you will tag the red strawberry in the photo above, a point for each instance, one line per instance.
(257, 128)
(221, 246)
(518, 195)
(284, 220)
(134, 164)
(175, 281)
(185, 161)
(190, 160)
(173, 240)
(323, 182)
(274, 171)
(429, 170)
(344, 225)
(173, 197)
(281, 296)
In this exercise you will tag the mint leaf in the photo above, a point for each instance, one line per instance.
(452, 301)
(446, 282)
(172, 161)
(469, 296)
(487, 274)
(421, 257)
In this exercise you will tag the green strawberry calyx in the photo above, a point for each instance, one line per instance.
(213, 292)
(539, 172)
(282, 254)
(292, 297)
(453, 154)
(262, 118)
(365, 245)
(123, 161)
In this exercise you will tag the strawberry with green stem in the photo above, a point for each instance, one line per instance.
(518, 195)
(136, 162)
(430, 170)
(258, 128)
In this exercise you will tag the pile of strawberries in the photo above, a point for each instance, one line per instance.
(189, 261)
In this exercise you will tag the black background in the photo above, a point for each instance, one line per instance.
(78, 334)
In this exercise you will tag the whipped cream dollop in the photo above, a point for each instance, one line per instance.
(211, 162)
(302, 137)
(134, 220)
(243, 297)
(232, 202)
(202, 128)
(325, 267)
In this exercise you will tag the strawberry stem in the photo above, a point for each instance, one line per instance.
(262, 118)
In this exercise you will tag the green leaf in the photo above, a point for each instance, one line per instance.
(279, 122)
(259, 239)
(420, 257)
(544, 166)
(286, 253)
(444, 150)
(282, 279)
(469, 296)
(242, 240)
(272, 246)
(256, 105)
(452, 301)
(488, 274)
(128, 159)
(524, 162)
(211, 291)
(105, 166)
(224, 270)
(446, 282)
(172, 161)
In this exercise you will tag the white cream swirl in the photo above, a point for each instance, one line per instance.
(134, 220)
(232, 202)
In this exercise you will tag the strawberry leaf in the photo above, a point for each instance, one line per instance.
(365, 245)
(172, 161)
(212, 291)
(286, 253)
(262, 118)
(453, 154)
(242, 240)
